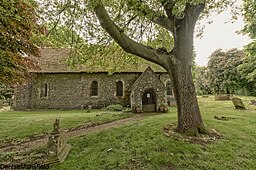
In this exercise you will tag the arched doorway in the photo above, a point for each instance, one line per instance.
(149, 101)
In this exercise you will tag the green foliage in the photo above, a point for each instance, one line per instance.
(18, 22)
(249, 7)
(6, 92)
(115, 107)
(248, 68)
(202, 80)
(223, 74)
(60, 36)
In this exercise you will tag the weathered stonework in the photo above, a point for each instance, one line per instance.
(72, 90)
(150, 84)
(56, 86)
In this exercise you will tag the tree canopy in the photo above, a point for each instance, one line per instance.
(222, 68)
(17, 24)
(201, 79)
(248, 68)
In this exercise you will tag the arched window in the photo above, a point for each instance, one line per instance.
(94, 88)
(44, 90)
(119, 88)
(168, 88)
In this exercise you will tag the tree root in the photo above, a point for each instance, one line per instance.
(200, 135)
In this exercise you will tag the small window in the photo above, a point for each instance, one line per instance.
(119, 88)
(94, 88)
(44, 90)
(168, 88)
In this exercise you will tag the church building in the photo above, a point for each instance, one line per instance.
(56, 85)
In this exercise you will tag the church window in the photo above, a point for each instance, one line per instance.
(44, 90)
(119, 88)
(94, 88)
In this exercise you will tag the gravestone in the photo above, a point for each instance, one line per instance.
(57, 147)
(238, 103)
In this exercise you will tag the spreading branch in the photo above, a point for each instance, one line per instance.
(124, 41)
(147, 12)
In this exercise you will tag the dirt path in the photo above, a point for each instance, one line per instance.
(29, 145)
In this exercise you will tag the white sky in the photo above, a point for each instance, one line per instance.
(219, 35)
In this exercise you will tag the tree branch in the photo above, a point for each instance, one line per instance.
(125, 42)
(194, 10)
(157, 18)
(168, 6)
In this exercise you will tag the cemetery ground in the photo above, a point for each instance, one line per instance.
(147, 143)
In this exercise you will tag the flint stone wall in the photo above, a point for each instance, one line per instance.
(73, 90)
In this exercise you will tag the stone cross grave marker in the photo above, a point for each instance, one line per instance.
(238, 103)
(57, 147)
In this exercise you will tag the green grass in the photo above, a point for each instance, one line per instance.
(16, 126)
(142, 144)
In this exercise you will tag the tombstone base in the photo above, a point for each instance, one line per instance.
(60, 157)
(240, 108)
(220, 97)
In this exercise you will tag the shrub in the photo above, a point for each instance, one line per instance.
(115, 107)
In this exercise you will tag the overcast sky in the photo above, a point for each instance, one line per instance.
(219, 34)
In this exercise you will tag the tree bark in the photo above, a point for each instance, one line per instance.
(189, 117)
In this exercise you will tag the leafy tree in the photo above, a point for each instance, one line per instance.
(130, 22)
(60, 36)
(222, 67)
(202, 80)
(18, 22)
(248, 67)
(6, 92)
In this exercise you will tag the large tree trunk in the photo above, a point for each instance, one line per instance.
(189, 117)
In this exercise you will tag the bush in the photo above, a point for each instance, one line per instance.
(115, 107)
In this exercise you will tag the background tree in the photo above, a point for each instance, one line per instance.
(223, 74)
(18, 22)
(6, 92)
(202, 80)
(248, 67)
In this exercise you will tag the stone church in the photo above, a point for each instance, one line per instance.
(58, 86)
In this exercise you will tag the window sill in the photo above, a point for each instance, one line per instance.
(95, 97)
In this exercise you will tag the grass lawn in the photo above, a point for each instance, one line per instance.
(16, 126)
(143, 144)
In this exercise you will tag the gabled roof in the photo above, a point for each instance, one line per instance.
(55, 60)
(148, 77)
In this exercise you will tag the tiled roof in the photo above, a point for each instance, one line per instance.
(55, 60)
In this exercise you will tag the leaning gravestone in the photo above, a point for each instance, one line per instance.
(238, 103)
(57, 147)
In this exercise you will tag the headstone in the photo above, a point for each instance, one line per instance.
(238, 103)
(57, 147)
